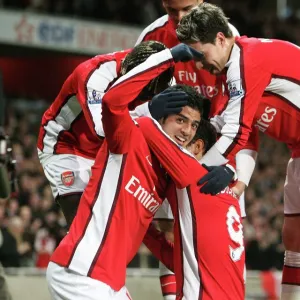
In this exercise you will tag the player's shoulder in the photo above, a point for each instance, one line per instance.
(156, 27)
(112, 62)
(103, 58)
(244, 47)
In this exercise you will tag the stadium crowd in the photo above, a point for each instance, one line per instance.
(31, 222)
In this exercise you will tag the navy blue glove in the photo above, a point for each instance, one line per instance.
(217, 179)
(184, 53)
(166, 103)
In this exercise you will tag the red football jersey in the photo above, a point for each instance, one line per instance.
(72, 124)
(264, 88)
(163, 30)
(124, 191)
(208, 252)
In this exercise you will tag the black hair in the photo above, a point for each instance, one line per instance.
(137, 56)
(207, 133)
(202, 24)
(195, 100)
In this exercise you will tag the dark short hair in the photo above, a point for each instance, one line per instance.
(202, 24)
(195, 99)
(137, 56)
(207, 133)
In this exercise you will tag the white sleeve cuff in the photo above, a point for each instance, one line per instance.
(245, 164)
(140, 111)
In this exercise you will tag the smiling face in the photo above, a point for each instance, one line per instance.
(176, 9)
(182, 127)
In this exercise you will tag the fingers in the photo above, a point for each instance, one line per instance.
(177, 93)
(178, 103)
(175, 110)
(210, 187)
(206, 177)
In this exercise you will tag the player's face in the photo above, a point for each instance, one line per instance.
(215, 55)
(176, 9)
(182, 127)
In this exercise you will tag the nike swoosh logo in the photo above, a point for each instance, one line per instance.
(168, 283)
(148, 160)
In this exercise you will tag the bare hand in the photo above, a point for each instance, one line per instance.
(239, 188)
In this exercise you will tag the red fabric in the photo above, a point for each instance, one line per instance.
(160, 247)
(186, 73)
(200, 221)
(79, 137)
(168, 284)
(291, 275)
(42, 260)
(113, 218)
(268, 282)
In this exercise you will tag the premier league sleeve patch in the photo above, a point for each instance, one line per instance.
(68, 178)
(235, 89)
(94, 97)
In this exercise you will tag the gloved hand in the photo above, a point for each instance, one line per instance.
(184, 53)
(217, 179)
(166, 103)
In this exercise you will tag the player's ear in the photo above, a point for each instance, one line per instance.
(199, 148)
(220, 39)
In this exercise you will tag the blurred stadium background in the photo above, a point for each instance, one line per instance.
(41, 42)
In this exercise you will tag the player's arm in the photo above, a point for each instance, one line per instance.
(182, 167)
(160, 247)
(117, 123)
(245, 162)
(91, 88)
(246, 82)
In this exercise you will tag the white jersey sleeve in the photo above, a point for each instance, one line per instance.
(96, 86)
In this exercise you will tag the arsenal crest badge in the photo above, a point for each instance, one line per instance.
(67, 178)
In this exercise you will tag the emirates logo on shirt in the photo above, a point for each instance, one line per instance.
(135, 188)
(68, 178)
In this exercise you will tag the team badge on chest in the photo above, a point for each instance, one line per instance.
(67, 178)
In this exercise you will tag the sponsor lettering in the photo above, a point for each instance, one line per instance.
(49, 32)
(190, 78)
(146, 198)
(266, 118)
(229, 191)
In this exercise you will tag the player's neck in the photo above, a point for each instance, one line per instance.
(230, 42)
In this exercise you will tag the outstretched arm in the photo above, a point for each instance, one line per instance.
(182, 167)
(117, 123)
(160, 247)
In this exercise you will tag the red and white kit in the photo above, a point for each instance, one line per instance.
(121, 197)
(71, 131)
(208, 238)
(264, 92)
(163, 30)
